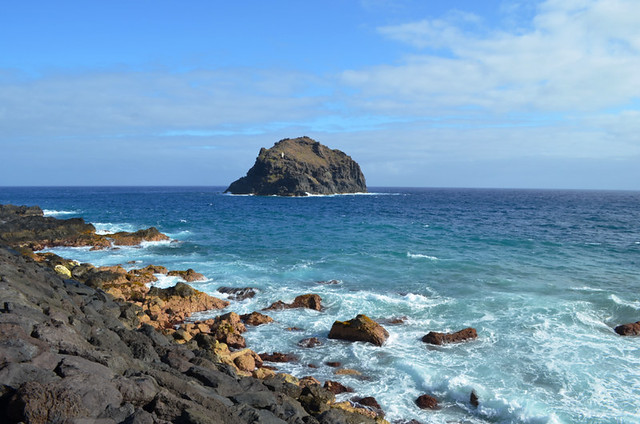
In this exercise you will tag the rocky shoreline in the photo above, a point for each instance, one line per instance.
(86, 344)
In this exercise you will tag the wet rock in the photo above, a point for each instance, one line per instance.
(278, 357)
(347, 371)
(631, 329)
(310, 342)
(309, 301)
(442, 338)
(333, 364)
(427, 402)
(236, 293)
(329, 282)
(189, 275)
(124, 238)
(336, 387)
(256, 318)
(473, 399)
(361, 328)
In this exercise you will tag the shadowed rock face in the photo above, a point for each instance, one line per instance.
(300, 166)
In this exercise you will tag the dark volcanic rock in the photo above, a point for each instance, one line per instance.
(300, 166)
(278, 357)
(361, 328)
(631, 329)
(442, 338)
(238, 293)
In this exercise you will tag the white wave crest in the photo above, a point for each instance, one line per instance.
(53, 212)
(420, 255)
(110, 228)
(631, 304)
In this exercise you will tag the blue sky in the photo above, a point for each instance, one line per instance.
(532, 94)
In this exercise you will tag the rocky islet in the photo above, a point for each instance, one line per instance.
(299, 167)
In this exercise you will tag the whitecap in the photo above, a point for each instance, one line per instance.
(420, 255)
(165, 281)
(103, 228)
(587, 289)
(53, 212)
(631, 304)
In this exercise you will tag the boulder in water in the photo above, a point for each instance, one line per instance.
(361, 328)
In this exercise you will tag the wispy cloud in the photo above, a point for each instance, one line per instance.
(577, 56)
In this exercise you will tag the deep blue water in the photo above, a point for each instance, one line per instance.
(543, 275)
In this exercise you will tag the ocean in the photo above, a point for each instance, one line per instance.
(542, 275)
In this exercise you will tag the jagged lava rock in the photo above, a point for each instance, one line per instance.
(361, 328)
(298, 167)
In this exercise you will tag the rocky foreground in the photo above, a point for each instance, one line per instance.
(85, 344)
(298, 167)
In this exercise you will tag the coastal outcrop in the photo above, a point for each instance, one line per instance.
(361, 328)
(436, 338)
(299, 167)
(27, 227)
(80, 343)
(72, 353)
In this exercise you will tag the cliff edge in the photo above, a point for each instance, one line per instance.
(299, 167)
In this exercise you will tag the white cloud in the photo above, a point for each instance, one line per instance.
(142, 103)
(580, 55)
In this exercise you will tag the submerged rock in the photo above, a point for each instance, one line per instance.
(298, 167)
(442, 338)
(238, 293)
(361, 328)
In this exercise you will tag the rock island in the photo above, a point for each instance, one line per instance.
(300, 167)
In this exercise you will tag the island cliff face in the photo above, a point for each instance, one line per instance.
(298, 167)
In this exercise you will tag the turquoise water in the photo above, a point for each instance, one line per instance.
(543, 276)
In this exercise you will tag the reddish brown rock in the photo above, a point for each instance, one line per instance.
(124, 238)
(309, 301)
(170, 306)
(278, 357)
(361, 328)
(189, 275)
(227, 329)
(336, 387)
(256, 318)
(631, 329)
(427, 402)
(442, 338)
